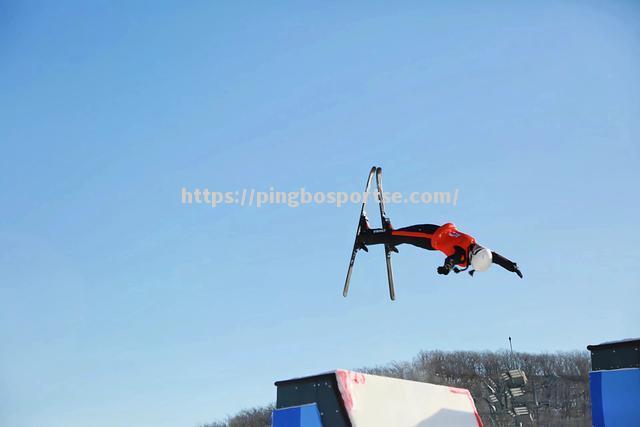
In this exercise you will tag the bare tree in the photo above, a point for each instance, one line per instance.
(252, 417)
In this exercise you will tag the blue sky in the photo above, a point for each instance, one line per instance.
(121, 307)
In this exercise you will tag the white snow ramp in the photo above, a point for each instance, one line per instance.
(373, 401)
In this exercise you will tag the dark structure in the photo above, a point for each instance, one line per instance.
(319, 389)
(615, 355)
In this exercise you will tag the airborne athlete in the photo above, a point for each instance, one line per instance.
(460, 248)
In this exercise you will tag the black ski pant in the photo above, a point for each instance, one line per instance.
(416, 235)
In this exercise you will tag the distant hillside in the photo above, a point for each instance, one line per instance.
(560, 381)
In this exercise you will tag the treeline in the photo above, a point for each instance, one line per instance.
(557, 390)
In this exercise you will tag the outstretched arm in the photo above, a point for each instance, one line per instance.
(505, 263)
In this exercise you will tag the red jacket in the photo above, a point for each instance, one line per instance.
(446, 238)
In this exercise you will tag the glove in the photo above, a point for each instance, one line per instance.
(443, 270)
(517, 271)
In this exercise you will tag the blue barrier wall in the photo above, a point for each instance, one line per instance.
(615, 397)
(297, 416)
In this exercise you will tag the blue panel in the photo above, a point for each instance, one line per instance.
(595, 381)
(310, 416)
(297, 416)
(287, 417)
(620, 397)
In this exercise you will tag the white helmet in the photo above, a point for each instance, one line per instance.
(481, 258)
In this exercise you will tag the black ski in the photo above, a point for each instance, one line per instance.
(356, 244)
(386, 224)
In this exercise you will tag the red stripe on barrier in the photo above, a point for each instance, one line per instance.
(473, 405)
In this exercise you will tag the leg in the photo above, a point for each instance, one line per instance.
(416, 235)
(376, 236)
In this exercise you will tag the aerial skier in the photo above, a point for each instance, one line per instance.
(461, 250)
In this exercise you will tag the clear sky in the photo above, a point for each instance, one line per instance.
(119, 306)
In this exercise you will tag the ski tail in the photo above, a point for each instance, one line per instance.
(392, 289)
(356, 244)
(386, 224)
